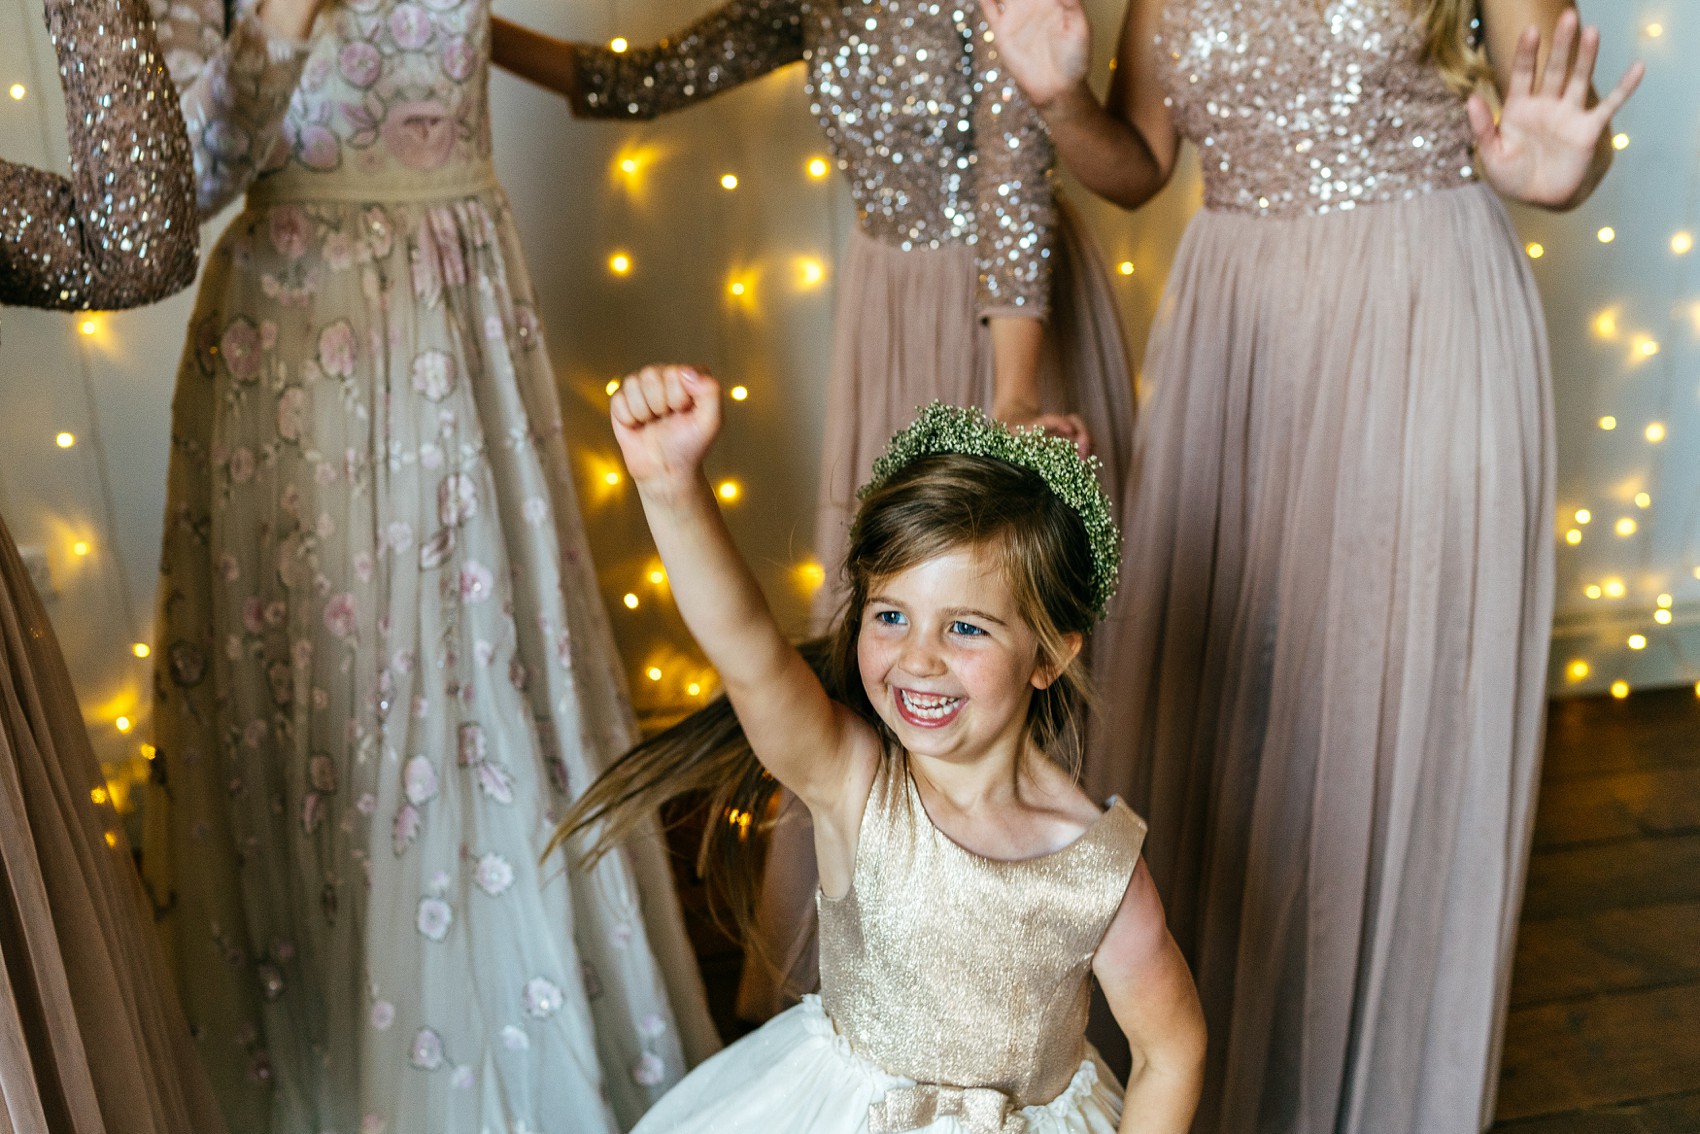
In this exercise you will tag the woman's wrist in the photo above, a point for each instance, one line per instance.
(1074, 104)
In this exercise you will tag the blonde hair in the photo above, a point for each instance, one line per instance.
(1449, 42)
(935, 505)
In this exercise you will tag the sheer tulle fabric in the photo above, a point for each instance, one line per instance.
(1323, 680)
(91, 1037)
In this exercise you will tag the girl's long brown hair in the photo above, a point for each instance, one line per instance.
(1449, 42)
(936, 505)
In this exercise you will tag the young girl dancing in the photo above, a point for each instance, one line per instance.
(968, 886)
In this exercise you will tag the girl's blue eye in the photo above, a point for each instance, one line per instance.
(889, 618)
(967, 629)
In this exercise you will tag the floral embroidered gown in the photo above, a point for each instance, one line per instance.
(384, 668)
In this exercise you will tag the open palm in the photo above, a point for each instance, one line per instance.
(1542, 148)
(1046, 44)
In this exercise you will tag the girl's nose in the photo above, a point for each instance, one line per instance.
(920, 656)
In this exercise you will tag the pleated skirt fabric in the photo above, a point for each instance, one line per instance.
(1322, 681)
(92, 1040)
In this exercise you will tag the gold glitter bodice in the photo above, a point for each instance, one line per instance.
(939, 144)
(953, 969)
(1310, 106)
(121, 230)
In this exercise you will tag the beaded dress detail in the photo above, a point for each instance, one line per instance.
(383, 667)
(1326, 688)
(954, 993)
(92, 1038)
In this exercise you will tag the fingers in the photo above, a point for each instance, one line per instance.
(1581, 77)
(993, 11)
(1522, 80)
(1557, 70)
(656, 392)
(1618, 95)
(1482, 124)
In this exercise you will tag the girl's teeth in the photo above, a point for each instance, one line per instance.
(928, 706)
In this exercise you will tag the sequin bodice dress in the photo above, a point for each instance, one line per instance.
(954, 992)
(383, 664)
(1309, 107)
(1326, 692)
(939, 145)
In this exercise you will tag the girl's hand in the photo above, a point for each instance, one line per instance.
(1542, 149)
(665, 419)
(1046, 44)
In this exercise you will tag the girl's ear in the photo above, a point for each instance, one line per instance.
(1050, 668)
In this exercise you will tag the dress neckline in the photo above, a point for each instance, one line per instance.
(914, 791)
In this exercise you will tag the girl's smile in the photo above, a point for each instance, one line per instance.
(948, 662)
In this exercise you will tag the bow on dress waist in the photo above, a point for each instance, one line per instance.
(981, 1110)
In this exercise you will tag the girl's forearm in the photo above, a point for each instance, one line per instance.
(1108, 154)
(1016, 341)
(550, 63)
(1160, 1100)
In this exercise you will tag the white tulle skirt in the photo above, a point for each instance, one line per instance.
(797, 1075)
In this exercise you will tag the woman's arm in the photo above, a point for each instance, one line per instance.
(1150, 992)
(1551, 143)
(1124, 149)
(740, 41)
(121, 230)
(665, 419)
(235, 88)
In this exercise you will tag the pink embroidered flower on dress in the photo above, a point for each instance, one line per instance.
(476, 582)
(435, 916)
(473, 746)
(242, 465)
(459, 59)
(360, 64)
(457, 500)
(419, 780)
(229, 567)
(340, 615)
(317, 148)
(427, 1052)
(535, 511)
(254, 615)
(291, 412)
(290, 231)
(239, 346)
(494, 874)
(420, 135)
(649, 1071)
(410, 26)
(339, 251)
(337, 348)
(542, 998)
(434, 374)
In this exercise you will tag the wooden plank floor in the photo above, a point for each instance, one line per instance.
(1604, 1031)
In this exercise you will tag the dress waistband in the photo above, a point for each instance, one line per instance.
(389, 187)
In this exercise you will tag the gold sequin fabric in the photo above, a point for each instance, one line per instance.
(968, 972)
(939, 144)
(121, 230)
(1301, 107)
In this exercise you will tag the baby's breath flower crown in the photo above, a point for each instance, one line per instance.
(942, 428)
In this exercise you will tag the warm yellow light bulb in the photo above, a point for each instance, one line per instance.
(610, 477)
(1535, 250)
(1626, 527)
(1643, 500)
(658, 576)
(737, 287)
(694, 689)
(619, 263)
(141, 649)
(1664, 601)
(618, 45)
(1579, 669)
(1646, 346)
(612, 388)
(112, 838)
(1654, 31)
(81, 547)
(1637, 641)
(739, 393)
(1125, 267)
(1614, 588)
(1697, 572)
(149, 752)
(810, 575)
(1573, 536)
(1655, 432)
(122, 724)
(1583, 515)
(818, 168)
(1608, 423)
(729, 181)
(810, 272)
(1620, 141)
(1682, 243)
(1592, 590)
(728, 490)
(1662, 617)
(1607, 234)
(653, 673)
(1605, 323)
(65, 440)
(1620, 689)
(88, 326)
(18, 91)
(628, 165)
(630, 600)
(98, 796)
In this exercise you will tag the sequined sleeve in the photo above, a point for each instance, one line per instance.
(740, 41)
(121, 230)
(1015, 210)
(235, 90)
